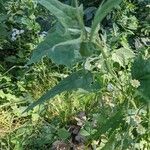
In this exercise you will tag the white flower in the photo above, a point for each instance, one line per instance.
(98, 65)
(14, 30)
(135, 83)
(16, 33)
(110, 87)
(134, 119)
(13, 34)
(140, 129)
(21, 31)
(148, 6)
(43, 34)
(13, 38)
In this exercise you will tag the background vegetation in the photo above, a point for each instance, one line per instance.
(108, 107)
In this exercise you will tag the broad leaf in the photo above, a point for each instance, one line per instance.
(82, 79)
(66, 14)
(60, 45)
(101, 13)
(122, 56)
(141, 72)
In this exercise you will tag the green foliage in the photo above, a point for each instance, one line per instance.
(141, 72)
(122, 56)
(3, 18)
(66, 14)
(97, 76)
(82, 79)
(63, 134)
(64, 49)
(74, 42)
(103, 10)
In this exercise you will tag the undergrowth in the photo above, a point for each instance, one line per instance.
(87, 82)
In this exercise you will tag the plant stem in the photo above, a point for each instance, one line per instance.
(72, 3)
(108, 66)
(80, 19)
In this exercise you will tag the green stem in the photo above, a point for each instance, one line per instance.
(80, 19)
(72, 3)
(108, 66)
(13, 67)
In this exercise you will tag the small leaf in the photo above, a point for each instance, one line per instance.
(122, 56)
(63, 134)
(87, 48)
(83, 132)
(110, 144)
(2, 94)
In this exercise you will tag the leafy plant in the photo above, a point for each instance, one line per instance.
(66, 50)
(97, 69)
(70, 42)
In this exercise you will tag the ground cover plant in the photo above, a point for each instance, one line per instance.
(75, 74)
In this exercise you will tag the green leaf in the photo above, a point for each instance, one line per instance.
(3, 31)
(122, 56)
(112, 123)
(82, 79)
(2, 94)
(84, 132)
(3, 17)
(87, 48)
(63, 134)
(110, 144)
(60, 45)
(66, 14)
(2, 10)
(141, 72)
(101, 13)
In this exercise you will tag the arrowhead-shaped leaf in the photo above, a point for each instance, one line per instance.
(141, 72)
(82, 79)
